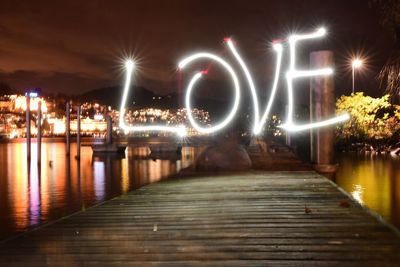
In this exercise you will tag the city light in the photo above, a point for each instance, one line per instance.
(356, 63)
(12, 108)
(20, 103)
(98, 117)
(32, 94)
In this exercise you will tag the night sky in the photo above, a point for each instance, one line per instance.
(75, 46)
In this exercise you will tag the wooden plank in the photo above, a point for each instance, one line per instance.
(246, 219)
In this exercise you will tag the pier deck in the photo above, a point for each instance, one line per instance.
(247, 219)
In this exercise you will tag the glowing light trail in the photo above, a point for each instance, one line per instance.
(249, 80)
(180, 130)
(258, 127)
(193, 81)
(292, 74)
(129, 65)
(297, 128)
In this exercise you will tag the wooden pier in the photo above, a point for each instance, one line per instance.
(246, 219)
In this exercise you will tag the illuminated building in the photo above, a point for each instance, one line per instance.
(19, 103)
(165, 118)
(93, 123)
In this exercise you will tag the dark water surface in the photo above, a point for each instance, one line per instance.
(29, 197)
(374, 181)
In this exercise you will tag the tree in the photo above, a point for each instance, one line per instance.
(389, 76)
(371, 118)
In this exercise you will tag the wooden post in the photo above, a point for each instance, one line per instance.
(312, 115)
(323, 107)
(28, 126)
(78, 132)
(67, 128)
(39, 132)
(109, 130)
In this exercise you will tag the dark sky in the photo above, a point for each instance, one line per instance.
(73, 46)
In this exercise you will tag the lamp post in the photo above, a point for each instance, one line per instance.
(356, 63)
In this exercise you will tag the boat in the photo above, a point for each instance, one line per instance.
(109, 147)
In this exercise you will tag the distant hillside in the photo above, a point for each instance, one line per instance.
(6, 89)
(111, 96)
(139, 97)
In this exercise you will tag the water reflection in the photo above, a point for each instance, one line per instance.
(374, 181)
(357, 193)
(61, 185)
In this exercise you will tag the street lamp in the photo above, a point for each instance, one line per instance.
(357, 63)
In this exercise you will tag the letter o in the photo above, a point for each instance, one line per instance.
(192, 83)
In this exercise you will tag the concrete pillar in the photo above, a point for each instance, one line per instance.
(28, 127)
(322, 107)
(78, 132)
(109, 130)
(67, 128)
(39, 132)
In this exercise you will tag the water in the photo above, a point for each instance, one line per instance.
(29, 198)
(374, 181)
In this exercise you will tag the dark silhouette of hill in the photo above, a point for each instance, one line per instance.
(140, 97)
(6, 89)
(137, 97)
